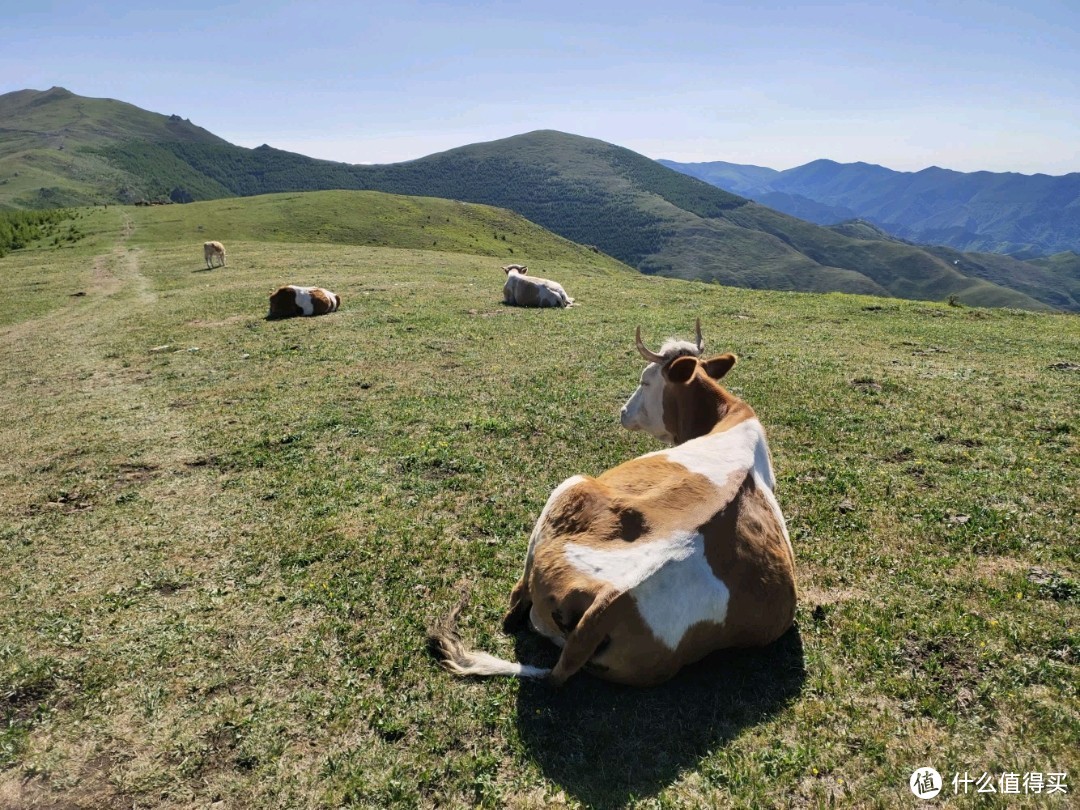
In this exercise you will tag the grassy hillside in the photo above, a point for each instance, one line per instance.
(366, 218)
(1053, 279)
(48, 151)
(664, 223)
(223, 537)
(861, 229)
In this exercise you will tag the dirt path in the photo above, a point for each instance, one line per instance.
(119, 271)
(116, 529)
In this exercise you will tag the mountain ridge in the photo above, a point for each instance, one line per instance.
(983, 211)
(592, 192)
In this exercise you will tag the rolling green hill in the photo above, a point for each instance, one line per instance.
(655, 219)
(48, 157)
(368, 218)
(223, 537)
(1053, 279)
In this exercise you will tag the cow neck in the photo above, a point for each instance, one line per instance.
(701, 407)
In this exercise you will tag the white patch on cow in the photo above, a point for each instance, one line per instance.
(627, 565)
(718, 456)
(670, 580)
(303, 299)
(645, 409)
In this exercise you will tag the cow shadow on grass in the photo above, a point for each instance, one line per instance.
(606, 744)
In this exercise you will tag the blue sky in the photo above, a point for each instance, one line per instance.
(963, 85)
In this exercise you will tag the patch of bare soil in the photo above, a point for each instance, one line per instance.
(89, 790)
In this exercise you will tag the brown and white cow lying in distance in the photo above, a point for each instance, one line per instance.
(665, 558)
(285, 302)
(213, 252)
(523, 290)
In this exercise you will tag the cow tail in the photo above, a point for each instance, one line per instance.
(446, 645)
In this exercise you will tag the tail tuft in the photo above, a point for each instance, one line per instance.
(445, 644)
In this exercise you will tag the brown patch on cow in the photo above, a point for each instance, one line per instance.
(520, 604)
(694, 403)
(323, 301)
(612, 508)
(746, 549)
(283, 303)
(627, 652)
(578, 509)
(632, 525)
(598, 620)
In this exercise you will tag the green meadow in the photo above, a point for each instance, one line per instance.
(223, 538)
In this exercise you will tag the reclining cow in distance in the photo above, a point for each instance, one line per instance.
(523, 290)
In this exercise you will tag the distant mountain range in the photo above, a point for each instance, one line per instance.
(57, 148)
(1022, 215)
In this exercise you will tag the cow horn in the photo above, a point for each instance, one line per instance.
(697, 331)
(651, 356)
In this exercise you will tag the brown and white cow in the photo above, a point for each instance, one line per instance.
(213, 252)
(665, 558)
(285, 302)
(523, 290)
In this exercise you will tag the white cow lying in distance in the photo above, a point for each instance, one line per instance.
(523, 290)
(285, 302)
(663, 559)
(213, 251)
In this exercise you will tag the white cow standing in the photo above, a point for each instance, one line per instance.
(213, 252)
(523, 290)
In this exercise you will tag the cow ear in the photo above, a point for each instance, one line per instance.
(681, 369)
(717, 367)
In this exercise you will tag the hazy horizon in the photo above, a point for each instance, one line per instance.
(966, 86)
